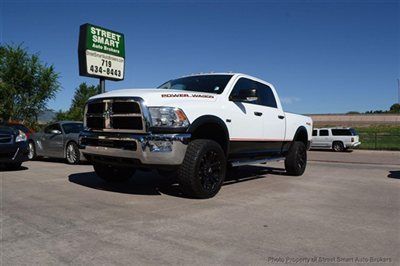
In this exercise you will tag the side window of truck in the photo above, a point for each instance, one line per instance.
(243, 84)
(265, 95)
(314, 133)
(324, 132)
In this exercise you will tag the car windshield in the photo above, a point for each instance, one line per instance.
(72, 128)
(203, 83)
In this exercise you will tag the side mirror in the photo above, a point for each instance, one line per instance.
(245, 95)
(55, 132)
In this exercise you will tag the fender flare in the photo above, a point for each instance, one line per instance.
(210, 119)
(299, 130)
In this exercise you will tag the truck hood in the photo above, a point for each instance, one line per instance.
(154, 97)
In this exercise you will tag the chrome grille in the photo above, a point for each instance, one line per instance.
(115, 115)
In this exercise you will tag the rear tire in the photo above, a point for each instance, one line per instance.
(296, 160)
(113, 174)
(203, 169)
(338, 146)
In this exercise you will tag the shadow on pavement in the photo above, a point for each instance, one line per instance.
(4, 169)
(394, 174)
(150, 183)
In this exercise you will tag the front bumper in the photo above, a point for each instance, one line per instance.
(14, 152)
(142, 149)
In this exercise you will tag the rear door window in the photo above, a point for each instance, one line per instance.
(265, 95)
(315, 133)
(341, 132)
(324, 132)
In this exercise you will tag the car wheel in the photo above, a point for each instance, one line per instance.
(72, 153)
(32, 150)
(203, 169)
(338, 146)
(296, 160)
(113, 174)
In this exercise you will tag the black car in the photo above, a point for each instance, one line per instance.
(13, 147)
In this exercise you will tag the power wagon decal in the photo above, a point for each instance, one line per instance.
(186, 95)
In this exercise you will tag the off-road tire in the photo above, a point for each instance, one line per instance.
(338, 146)
(296, 159)
(113, 174)
(72, 153)
(197, 176)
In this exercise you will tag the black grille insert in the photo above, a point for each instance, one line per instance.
(95, 122)
(96, 108)
(127, 123)
(125, 108)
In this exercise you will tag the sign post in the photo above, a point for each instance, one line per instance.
(101, 54)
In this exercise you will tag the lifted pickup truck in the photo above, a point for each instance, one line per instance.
(194, 127)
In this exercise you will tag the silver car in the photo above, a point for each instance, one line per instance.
(337, 139)
(57, 140)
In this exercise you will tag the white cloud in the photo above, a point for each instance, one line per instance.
(290, 100)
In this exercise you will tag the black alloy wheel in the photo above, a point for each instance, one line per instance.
(210, 171)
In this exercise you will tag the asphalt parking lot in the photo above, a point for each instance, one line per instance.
(345, 207)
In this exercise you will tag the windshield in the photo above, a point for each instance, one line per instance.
(72, 128)
(206, 83)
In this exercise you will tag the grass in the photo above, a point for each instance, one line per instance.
(379, 137)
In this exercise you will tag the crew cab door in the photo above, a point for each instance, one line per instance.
(244, 122)
(274, 123)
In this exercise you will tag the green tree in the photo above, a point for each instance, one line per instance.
(395, 108)
(81, 96)
(26, 84)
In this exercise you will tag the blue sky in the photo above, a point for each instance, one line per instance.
(322, 56)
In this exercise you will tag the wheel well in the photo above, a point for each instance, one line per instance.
(214, 132)
(301, 135)
(336, 141)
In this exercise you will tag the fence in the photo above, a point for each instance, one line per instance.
(380, 141)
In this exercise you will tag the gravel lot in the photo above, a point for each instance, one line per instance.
(345, 208)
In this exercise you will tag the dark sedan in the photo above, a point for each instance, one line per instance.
(13, 147)
(58, 140)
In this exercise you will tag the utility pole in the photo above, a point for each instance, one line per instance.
(398, 91)
(102, 85)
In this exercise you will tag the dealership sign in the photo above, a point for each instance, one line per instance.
(101, 53)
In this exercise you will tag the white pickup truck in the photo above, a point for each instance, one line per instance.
(195, 127)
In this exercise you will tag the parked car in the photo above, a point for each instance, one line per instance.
(57, 140)
(18, 126)
(13, 147)
(196, 126)
(337, 139)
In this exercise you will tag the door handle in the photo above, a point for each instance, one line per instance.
(258, 113)
(281, 116)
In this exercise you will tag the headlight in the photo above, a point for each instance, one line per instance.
(21, 136)
(168, 117)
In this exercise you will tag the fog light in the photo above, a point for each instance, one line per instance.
(160, 146)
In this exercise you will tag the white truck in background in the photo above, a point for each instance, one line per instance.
(195, 127)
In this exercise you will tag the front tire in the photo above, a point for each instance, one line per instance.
(203, 169)
(113, 174)
(72, 153)
(296, 160)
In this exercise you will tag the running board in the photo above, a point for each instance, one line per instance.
(255, 161)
